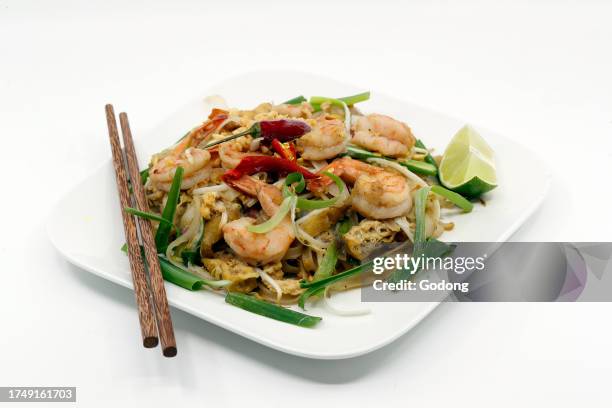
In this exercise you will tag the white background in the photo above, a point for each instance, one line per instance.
(536, 71)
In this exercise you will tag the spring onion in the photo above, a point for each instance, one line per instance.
(182, 277)
(428, 158)
(360, 154)
(305, 204)
(328, 263)
(163, 232)
(295, 101)
(186, 279)
(415, 166)
(144, 176)
(192, 255)
(345, 225)
(419, 167)
(353, 99)
(276, 219)
(263, 308)
(314, 287)
(453, 197)
(316, 101)
(149, 216)
(420, 203)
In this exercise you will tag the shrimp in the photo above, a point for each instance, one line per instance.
(377, 193)
(232, 152)
(383, 134)
(327, 139)
(303, 110)
(259, 248)
(195, 162)
(196, 168)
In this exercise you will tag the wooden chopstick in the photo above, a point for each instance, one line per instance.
(141, 290)
(164, 321)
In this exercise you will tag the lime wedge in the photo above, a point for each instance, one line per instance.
(467, 166)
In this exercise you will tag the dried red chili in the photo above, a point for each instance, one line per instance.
(284, 130)
(255, 164)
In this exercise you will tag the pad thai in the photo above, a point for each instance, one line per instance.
(286, 202)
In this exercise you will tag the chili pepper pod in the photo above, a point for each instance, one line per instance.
(254, 164)
(284, 130)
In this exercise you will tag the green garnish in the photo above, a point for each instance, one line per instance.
(163, 232)
(276, 219)
(182, 277)
(316, 101)
(419, 167)
(192, 255)
(415, 166)
(428, 158)
(420, 202)
(144, 176)
(328, 264)
(353, 99)
(186, 279)
(345, 225)
(361, 154)
(263, 308)
(314, 287)
(295, 101)
(149, 216)
(305, 204)
(453, 197)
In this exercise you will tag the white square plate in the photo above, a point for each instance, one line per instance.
(86, 225)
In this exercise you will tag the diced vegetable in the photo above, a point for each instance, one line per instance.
(295, 101)
(314, 287)
(276, 219)
(164, 229)
(263, 308)
(453, 197)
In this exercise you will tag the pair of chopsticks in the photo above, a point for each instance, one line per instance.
(153, 318)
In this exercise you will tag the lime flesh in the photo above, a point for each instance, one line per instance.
(467, 166)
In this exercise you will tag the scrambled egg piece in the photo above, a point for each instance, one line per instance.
(322, 220)
(243, 276)
(275, 270)
(365, 237)
(290, 287)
